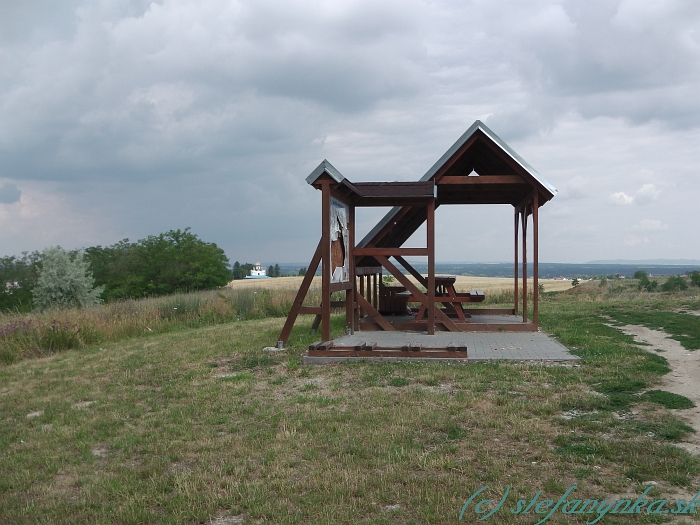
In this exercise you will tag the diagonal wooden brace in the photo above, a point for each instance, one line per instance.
(449, 324)
(373, 313)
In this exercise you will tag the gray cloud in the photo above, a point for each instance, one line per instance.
(9, 193)
(137, 117)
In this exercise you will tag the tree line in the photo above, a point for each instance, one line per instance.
(157, 265)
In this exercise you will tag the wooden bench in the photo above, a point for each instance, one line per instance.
(446, 295)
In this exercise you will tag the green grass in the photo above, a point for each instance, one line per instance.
(198, 423)
(667, 399)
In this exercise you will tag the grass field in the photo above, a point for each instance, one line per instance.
(195, 424)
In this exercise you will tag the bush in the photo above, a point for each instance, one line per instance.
(694, 278)
(644, 282)
(64, 282)
(675, 283)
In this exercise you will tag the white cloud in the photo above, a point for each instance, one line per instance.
(650, 225)
(633, 240)
(646, 194)
(620, 197)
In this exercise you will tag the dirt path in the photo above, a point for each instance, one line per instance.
(684, 378)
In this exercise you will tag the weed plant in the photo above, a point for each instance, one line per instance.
(44, 333)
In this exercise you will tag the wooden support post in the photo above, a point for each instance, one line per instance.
(524, 224)
(362, 293)
(326, 261)
(301, 294)
(430, 212)
(350, 294)
(515, 268)
(377, 283)
(535, 260)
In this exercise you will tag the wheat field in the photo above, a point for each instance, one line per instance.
(464, 283)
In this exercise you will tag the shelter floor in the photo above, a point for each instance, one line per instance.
(474, 319)
(481, 346)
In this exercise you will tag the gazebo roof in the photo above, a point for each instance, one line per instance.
(483, 162)
(479, 168)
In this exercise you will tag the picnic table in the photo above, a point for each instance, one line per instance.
(450, 298)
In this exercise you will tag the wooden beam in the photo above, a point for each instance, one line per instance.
(535, 259)
(310, 310)
(515, 251)
(388, 227)
(430, 215)
(374, 314)
(390, 252)
(326, 260)
(350, 293)
(410, 269)
(485, 180)
(449, 324)
(523, 217)
(443, 353)
(456, 155)
(301, 295)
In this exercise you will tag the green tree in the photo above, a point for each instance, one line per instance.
(694, 277)
(65, 282)
(277, 270)
(575, 282)
(271, 271)
(302, 271)
(674, 283)
(18, 275)
(158, 265)
(178, 261)
(236, 272)
(114, 268)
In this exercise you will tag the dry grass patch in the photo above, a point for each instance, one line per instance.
(200, 426)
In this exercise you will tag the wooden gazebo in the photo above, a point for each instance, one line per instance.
(478, 169)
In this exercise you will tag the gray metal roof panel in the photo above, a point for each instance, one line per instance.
(377, 228)
(325, 167)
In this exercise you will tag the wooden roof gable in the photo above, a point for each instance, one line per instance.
(479, 168)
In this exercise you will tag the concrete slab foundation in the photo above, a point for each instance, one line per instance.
(481, 346)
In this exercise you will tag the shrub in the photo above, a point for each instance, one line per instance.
(644, 282)
(64, 282)
(694, 278)
(674, 284)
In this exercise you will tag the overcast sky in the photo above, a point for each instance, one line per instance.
(121, 119)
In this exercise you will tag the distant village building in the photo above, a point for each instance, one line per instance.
(258, 272)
